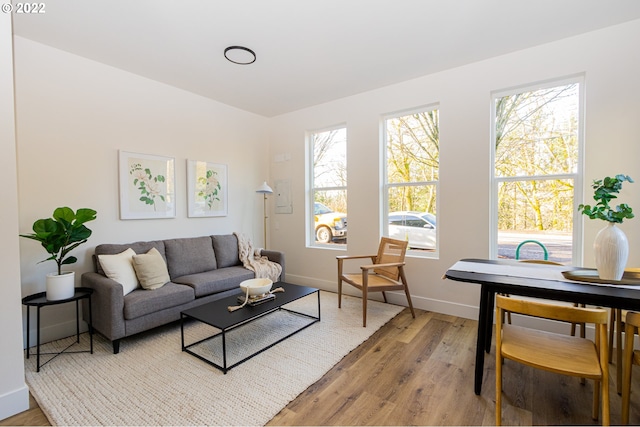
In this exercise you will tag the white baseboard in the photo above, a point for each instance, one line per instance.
(14, 402)
(436, 306)
(53, 332)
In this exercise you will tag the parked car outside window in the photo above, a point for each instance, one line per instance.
(329, 225)
(419, 228)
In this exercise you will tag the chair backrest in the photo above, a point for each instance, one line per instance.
(389, 251)
(552, 311)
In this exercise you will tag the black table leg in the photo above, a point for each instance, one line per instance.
(90, 327)
(77, 321)
(38, 339)
(491, 297)
(480, 345)
(28, 342)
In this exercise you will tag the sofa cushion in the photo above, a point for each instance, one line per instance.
(189, 255)
(116, 248)
(119, 267)
(142, 301)
(211, 282)
(226, 249)
(151, 269)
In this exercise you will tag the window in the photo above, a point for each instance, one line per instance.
(328, 193)
(537, 166)
(411, 178)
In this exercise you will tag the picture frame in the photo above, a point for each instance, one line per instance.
(147, 186)
(206, 189)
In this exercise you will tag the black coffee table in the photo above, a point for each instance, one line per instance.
(216, 314)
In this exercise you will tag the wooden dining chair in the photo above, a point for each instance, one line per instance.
(384, 273)
(561, 354)
(573, 325)
(630, 357)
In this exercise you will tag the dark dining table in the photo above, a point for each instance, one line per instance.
(531, 280)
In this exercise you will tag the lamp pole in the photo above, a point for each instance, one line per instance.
(264, 189)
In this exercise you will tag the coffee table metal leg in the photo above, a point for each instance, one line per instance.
(224, 353)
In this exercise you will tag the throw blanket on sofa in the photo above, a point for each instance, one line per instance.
(254, 261)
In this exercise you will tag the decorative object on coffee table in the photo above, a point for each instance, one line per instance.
(611, 245)
(59, 235)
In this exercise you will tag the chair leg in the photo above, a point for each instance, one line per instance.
(384, 296)
(619, 350)
(365, 296)
(626, 372)
(339, 292)
(406, 292)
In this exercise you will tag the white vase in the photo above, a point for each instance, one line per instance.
(61, 286)
(611, 252)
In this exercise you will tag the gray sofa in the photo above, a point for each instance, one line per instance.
(202, 269)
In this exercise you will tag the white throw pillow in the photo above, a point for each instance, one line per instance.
(119, 267)
(151, 269)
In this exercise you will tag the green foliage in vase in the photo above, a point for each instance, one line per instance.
(605, 190)
(62, 233)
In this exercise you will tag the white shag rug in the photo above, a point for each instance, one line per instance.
(152, 382)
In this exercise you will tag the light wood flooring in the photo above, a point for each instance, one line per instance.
(420, 372)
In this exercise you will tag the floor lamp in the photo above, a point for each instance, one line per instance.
(265, 189)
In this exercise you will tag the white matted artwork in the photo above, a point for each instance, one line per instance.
(146, 186)
(206, 188)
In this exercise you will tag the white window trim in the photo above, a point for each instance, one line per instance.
(577, 251)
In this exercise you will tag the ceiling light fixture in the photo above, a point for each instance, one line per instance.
(240, 55)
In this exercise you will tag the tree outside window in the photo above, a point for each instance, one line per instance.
(329, 187)
(411, 178)
(536, 166)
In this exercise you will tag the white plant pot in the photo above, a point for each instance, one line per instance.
(611, 252)
(61, 286)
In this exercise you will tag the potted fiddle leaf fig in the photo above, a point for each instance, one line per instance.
(611, 245)
(59, 235)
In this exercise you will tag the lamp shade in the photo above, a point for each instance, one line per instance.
(264, 188)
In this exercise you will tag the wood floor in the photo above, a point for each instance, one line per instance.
(420, 372)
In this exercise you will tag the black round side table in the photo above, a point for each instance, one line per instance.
(40, 300)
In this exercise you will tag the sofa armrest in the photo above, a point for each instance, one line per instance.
(275, 256)
(107, 305)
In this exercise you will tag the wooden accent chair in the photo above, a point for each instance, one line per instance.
(562, 354)
(384, 273)
(630, 357)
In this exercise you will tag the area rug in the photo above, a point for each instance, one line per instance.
(152, 382)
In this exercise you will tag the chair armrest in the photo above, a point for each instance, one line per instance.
(355, 256)
(107, 305)
(389, 264)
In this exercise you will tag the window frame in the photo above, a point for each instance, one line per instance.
(310, 235)
(577, 251)
(386, 186)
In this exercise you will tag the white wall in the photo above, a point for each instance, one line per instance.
(14, 395)
(74, 114)
(610, 63)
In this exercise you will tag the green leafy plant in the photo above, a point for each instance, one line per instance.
(62, 233)
(605, 190)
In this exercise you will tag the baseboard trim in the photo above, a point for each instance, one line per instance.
(14, 402)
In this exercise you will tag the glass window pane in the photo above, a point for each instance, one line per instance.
(330, 216)
(538, 210)
(537, 132)
(413, 148)
(330, 158)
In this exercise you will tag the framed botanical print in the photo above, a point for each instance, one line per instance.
(206, 189)
(147, 185)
